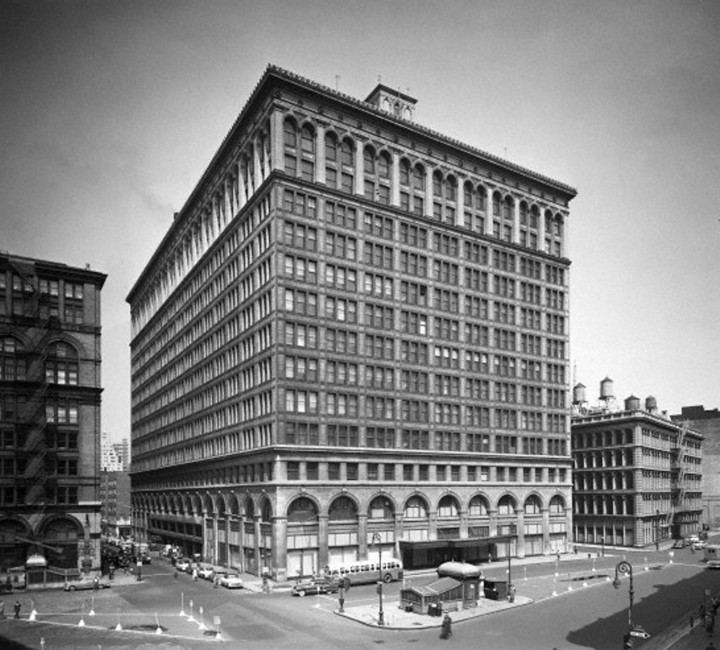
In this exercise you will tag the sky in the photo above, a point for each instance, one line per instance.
(112, 109)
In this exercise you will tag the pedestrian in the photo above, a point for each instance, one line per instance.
(16, 607)
(96, 583)
(2, 609)
(446, 628)
(194, 575)
(176, 574)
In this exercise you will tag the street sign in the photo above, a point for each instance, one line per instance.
(640, 633)
(216, 620)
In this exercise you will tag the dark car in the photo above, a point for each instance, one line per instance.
(315, 586)
(82, 585)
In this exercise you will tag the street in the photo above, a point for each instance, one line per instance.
(586, 612)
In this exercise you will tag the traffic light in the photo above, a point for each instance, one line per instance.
(627, 641)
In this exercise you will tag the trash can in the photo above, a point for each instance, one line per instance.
(434, 609)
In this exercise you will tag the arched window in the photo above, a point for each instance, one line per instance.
(369, 160)
(557, 505)
(404, 172)
(384, 163)
(12, 365)
(534, 217)
(451, 188)
(342, 509)
(496, 204)
(437, 184)
(381, 508)
(478, 507)
(508, 205)
(448, 507)
(346, 153)
(523, 213)
(468, 194)
(419, 178)
(506, 505)
(415, 508)
(290, 134)
(266, 512)
(331, 147)
(302, 510)
(61, 365)
(532, 505)
(307, 136)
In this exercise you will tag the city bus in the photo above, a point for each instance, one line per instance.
(366, 571)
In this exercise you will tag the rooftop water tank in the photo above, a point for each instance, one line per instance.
(632, 403)
(606, 388)
(579, 394)
(650, 404)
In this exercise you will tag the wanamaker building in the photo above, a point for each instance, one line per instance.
(353, 338)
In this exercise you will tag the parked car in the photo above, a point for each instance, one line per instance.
(681, 542)
(713, 564)
(205, 571)
(231, 581)
(699, 546)
(182, 564)
(83, 585)
(315, 585)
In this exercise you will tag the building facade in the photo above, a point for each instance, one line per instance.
(115, 498)
(707, 422)
(353, 339)
(110, 460)
(49, 413)
(637, 475)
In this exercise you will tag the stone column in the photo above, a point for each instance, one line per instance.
(516, 221)
(546, 530)
(460, 201)
(257, 152)
(520, 514)
(323, 551)
(359, 167)
(493, 522)
(432, 524)
(541, 229)
(320, 154)
(428, 191)
(276, 139)
(362, 536)
(463, 524)
(564, 238)
(256, 550)
(489, 211)
(395, 179)
(279, 549)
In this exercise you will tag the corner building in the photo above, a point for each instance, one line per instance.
(353, 338)
(50, 390)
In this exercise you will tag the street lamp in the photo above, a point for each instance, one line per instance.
(381, 615)
(657, 530)
(625, 568)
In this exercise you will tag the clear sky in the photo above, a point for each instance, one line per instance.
(111, 110)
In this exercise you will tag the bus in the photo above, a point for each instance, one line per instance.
(366, 571)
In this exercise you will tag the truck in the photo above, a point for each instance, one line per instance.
(712, 556)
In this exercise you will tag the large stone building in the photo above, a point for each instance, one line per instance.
(707, 422)
(354, 338)
(49, 413)
(637, 474)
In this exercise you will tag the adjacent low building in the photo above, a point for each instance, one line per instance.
(49, 413)
(707, 422)
(637, 475)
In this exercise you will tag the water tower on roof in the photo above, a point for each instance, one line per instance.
(607, 394)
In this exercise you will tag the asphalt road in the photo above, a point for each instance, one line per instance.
(591, 615)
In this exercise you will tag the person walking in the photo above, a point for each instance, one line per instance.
(2, 609)
(16, 607)
(446, 628)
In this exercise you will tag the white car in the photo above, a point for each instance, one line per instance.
(206, 572)
(182, 564)
(231, 581)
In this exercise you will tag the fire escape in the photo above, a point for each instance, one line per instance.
(35, 458)
(677, 483)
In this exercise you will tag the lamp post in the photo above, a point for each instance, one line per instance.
(657, 530)
(625, 568)
(381, 615)
(602, 542)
